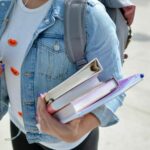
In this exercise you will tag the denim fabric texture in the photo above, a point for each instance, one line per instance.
(46, 64)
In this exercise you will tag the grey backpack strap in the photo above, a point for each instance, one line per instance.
(122, 13)
(75, 36)
(122, 29)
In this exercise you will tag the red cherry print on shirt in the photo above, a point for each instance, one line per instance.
(14, 71)
(12, 42)
(20, 114)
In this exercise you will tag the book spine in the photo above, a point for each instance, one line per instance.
(91, 69)
(94, 95)
(87, 99)
(73, 94)
(123, 85)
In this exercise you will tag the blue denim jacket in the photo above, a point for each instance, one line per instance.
(46, 65)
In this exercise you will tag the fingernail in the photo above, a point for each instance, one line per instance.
(42, 95)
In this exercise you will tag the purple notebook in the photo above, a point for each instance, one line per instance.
(123, 85)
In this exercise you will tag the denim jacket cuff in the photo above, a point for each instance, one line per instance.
(105, 116)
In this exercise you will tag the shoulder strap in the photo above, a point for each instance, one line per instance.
(75, 36)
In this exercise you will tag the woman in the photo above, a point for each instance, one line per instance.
(32, 50)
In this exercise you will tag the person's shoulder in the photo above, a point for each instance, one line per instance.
(96, 9)
(92, 4)
(97, 21)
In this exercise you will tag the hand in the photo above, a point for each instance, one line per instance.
(68, 132)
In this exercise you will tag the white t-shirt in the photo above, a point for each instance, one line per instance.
(21, 29)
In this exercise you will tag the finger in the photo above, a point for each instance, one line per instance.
(41, 108)
(47, 123)
(44, 117)
(42, 105)
(42, 111)
(39, 105)
(42, 120)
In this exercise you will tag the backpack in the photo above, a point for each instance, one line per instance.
(121, 12)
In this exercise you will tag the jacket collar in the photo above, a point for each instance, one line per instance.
(58, 9)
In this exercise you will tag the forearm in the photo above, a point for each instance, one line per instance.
(68, 132)
(88, 123)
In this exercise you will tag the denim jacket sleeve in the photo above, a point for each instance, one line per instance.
(102, 42)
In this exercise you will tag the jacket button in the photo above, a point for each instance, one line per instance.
(28, 74)
(46, 21)
(12, 42)
(56, 46)
(2, 4)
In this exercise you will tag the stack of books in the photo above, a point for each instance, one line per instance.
(83, 92)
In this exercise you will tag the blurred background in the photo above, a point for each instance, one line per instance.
(133, 130)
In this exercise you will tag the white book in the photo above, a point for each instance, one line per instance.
(76, 92)
(87, 99)
(123, 85)
(89, 70)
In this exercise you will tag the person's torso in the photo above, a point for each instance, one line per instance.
(13, 46)
(44, 65)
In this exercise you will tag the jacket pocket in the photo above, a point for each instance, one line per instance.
(53, 44)
(52, 57)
